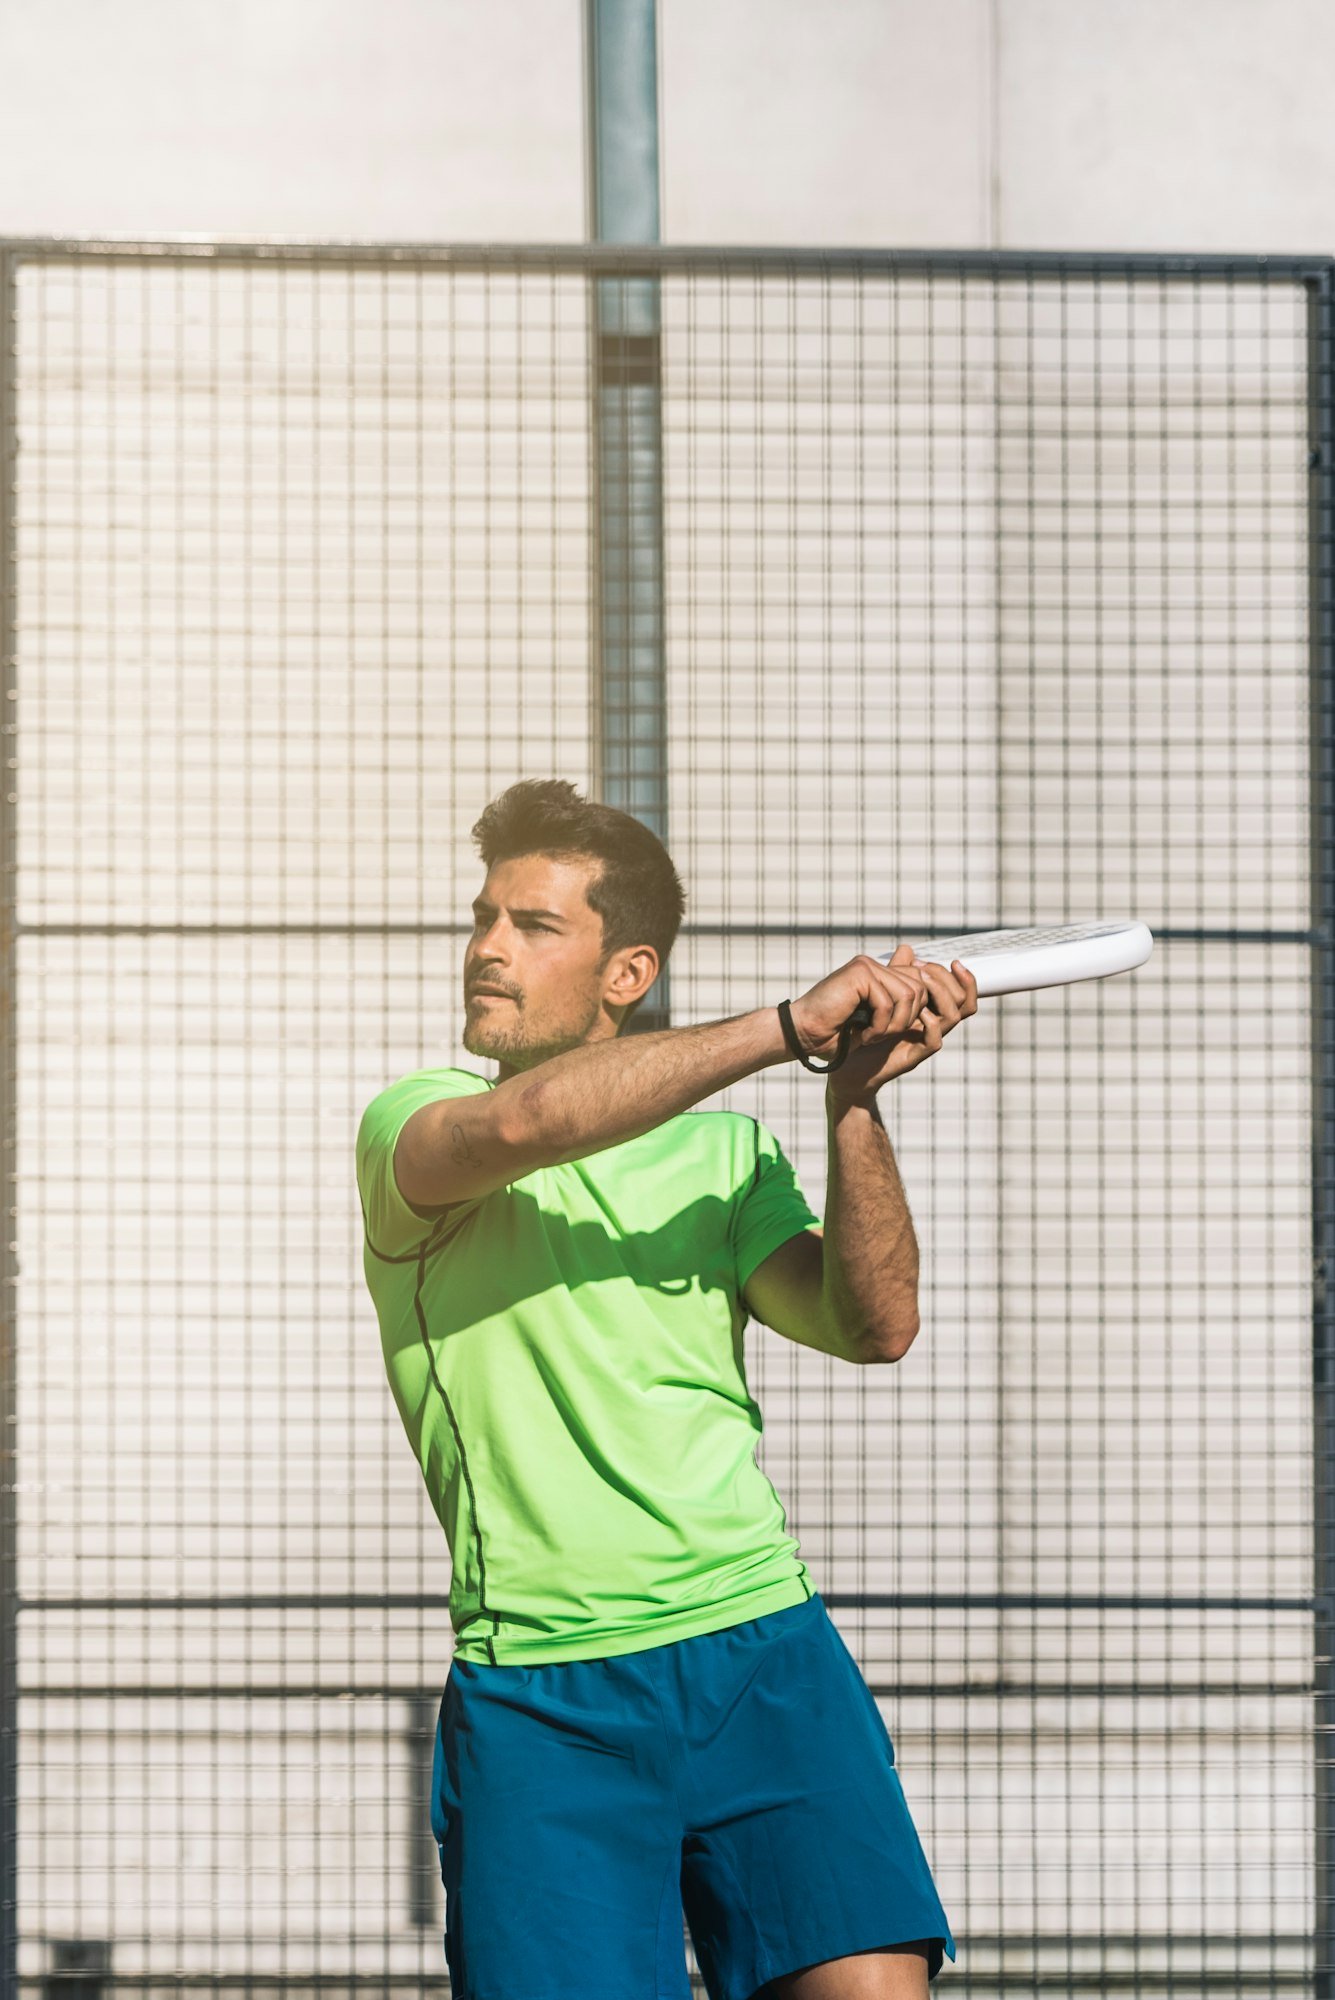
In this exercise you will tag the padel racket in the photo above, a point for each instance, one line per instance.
(1023, 961)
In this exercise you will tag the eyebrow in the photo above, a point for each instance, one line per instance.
(479, 903)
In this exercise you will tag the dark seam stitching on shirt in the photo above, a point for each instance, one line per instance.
(459, 1446)
(436, 1241)
(433, 1241)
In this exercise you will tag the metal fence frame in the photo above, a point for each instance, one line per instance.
(603, 263)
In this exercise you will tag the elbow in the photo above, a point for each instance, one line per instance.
(893, 1346)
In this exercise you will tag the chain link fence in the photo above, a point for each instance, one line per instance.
(992, 591)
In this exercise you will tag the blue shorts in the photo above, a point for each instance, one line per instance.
(744, 1776)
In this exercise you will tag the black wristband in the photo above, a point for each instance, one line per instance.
(790, 1036)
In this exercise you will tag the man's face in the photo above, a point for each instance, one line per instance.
(537, 941)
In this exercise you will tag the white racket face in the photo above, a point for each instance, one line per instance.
(1022, 961)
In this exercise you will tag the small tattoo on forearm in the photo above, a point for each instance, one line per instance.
(463, 1154)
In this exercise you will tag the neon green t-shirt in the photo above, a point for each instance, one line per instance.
(566, 1355)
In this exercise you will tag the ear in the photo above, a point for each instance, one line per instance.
(630, 975)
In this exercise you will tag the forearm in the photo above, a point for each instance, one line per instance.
(870, 1249)
(594, 1096)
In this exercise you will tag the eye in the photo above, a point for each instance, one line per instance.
(527, 923)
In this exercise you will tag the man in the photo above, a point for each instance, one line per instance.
(649, 1707)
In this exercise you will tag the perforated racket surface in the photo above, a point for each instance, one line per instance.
(1022, 961)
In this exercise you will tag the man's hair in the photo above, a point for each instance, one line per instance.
(636, 890)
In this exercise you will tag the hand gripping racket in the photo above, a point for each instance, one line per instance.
(1021, 961)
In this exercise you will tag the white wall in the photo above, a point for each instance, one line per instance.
(299, 118)
(1013, 124)
(1033, 124)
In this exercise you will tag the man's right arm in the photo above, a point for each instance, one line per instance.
(580, 1102)
(600, 1093)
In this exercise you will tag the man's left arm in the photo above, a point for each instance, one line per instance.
(870, 1268)
(870, 1263)
(854, 1293)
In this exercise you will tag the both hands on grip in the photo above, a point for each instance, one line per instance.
(886, 1019)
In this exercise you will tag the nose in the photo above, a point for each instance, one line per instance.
(482, 955)
(479, 939)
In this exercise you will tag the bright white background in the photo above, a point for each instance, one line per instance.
(1030, 124)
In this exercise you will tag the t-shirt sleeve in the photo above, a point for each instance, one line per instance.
(771, 1207)
(392, 1225)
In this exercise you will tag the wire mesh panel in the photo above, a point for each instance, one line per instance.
(1008, 574)
(986, 603)
(303, 568)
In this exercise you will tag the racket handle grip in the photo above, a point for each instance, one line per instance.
(861, 1015)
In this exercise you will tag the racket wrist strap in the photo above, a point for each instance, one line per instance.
(790, 1036)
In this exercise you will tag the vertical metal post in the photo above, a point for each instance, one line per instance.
(630, 724)
(423, 1857)
(1321, 615)
(9, 1573)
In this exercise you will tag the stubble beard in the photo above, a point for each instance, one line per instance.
(510, 1045)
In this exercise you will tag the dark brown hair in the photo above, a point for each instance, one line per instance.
(636, 891)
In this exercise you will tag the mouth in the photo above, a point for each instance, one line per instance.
(485, 993)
